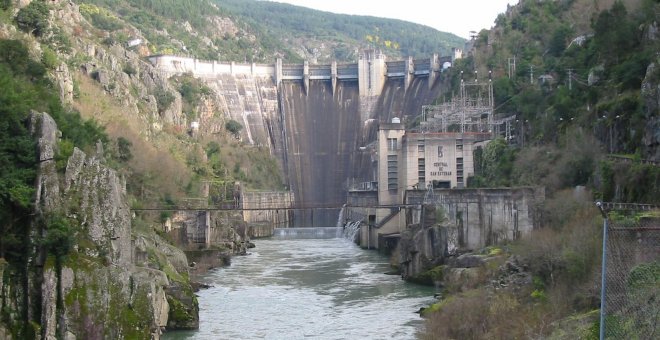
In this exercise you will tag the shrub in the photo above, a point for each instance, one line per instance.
(33, 18)
(163, 99)
(234, 127)
(124, 149)
(129, 69)
(59, 236)
(49, 58)
(62, 157)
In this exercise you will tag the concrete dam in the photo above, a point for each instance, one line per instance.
(318, 120)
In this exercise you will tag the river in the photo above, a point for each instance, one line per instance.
(311, 289)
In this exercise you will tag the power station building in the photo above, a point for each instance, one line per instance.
(410, 160)
(431, 164)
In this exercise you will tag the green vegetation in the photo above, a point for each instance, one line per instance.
(234, 127)
(561, 261)
(163, 99)
(430, 276)
(261, 31)
(24, 87)
(583, 126)
(192, 91)
(591, 105)
(33, 18)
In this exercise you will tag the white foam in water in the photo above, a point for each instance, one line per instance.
(351, 229)
(303, 233)
(340, 222)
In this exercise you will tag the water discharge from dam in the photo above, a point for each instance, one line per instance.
(308, 288)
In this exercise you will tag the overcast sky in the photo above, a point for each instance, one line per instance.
(454, 16)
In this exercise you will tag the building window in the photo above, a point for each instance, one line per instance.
(459, 171)
(421, 170)
(420, 147)
(392, 172)
(392, 144)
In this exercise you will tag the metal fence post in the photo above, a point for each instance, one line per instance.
(603, 272)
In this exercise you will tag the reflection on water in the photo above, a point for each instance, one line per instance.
(310, 288)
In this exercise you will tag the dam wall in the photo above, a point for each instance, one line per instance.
(322, 133)
(370, 71)
(318, 120)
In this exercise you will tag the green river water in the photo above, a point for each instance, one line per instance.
(308, 289)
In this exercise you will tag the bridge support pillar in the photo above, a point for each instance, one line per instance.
(409, 73)
(333, 76)
(306, 76)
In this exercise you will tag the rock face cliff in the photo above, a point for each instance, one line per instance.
(422, 246)
(84, 278)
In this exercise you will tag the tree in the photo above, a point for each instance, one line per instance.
(124, 149)
(33, 18)
(18, 159)
(234, 127)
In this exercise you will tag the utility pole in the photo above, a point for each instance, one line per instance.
(512, 66)
(570, 79)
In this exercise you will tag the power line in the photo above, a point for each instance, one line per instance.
(319, 207)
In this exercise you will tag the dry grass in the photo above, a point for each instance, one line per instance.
(563, 260)
(482, 314)
(159, 161)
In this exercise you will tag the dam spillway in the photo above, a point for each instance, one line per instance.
(318, 120)
(322, 133)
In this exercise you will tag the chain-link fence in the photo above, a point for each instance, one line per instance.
(632, 279)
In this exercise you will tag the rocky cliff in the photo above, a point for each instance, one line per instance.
(89, 277)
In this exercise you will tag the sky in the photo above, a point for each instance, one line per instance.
(454, 16)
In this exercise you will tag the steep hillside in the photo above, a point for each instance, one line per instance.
(258, 31)
(584, 89)
(73, 250)
(582, 81)
(327, 36)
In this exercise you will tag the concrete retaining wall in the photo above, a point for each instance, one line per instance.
(484, 216)
(262, 221)
(479, 217)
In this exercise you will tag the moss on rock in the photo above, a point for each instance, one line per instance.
(429, 277)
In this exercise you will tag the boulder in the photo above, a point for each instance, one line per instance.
(467, 261)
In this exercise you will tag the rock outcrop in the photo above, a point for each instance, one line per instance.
(421, 247)
(651, 95)
(113, 282)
